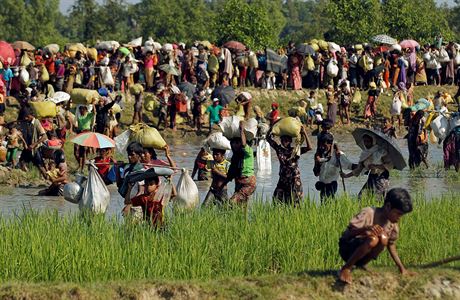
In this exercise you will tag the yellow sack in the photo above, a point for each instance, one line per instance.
(77, 47)
(433, 138)
(323, 45)
(136, 89)
(150, 102)
(84, 96)
(45, 76)
(310, 63)
(240, 112)
(314, 41)
(429, 119)
(45, 109)
(288, 126)
(357, 97)
(359, 47)
(116, 108)
(404, 104)
(92, 53)
(25, 60)
(146, 136)
(314, 46)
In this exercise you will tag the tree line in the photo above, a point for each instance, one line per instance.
(257, 23)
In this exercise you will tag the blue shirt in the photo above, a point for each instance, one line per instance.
(7, 74)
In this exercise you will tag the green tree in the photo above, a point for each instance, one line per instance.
(304, 20)
(453, 15)
(84, 22)
(257, 23)
(421, 20)
(33, 21)
(175, 20)
(353, 21)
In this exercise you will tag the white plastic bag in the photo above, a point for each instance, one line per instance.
(24, 76)
(332, 68)
(107, 77)
(230, 127)
(457, 58)
(121, 141)
(96, 196)
(187, 191)
(136, 42)
(440, 126)
(396, 106)
(250, 129)
(264, 161)
(73, 192)
(218, 141)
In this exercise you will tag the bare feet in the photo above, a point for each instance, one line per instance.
(345, 276)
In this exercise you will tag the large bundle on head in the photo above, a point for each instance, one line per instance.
(92, 53)
(107, 45)
(52, 48)
(230, 127)
(136, 89)
(44, 109)
(217, 141)
(288, 126)
(74, 48)
(146, 136)
(84, 96)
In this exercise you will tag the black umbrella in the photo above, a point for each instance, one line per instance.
(305, 49)
(225, 94)
(187, 88)
(385, 142)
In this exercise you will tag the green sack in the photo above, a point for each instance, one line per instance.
(45, 109)
(150, 102)
(84, 96)
(136, 89)
(213, 64)
(288, 126)
(146, 136)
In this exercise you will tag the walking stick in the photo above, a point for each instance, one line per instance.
(337, 157)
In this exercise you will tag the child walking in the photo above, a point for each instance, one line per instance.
(219, 166)
(373, 230)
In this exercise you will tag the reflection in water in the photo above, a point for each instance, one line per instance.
(185, 156)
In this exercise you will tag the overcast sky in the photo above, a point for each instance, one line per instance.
(66, 4)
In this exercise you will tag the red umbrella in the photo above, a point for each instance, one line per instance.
(7, 53)
(409, 44)
(234, 45)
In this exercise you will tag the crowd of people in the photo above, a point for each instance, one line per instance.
(183, 80)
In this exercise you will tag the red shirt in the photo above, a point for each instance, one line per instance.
(104, 167)
(153, 210)
(274, 116)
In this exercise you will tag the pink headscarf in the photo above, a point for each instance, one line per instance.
(413, 60)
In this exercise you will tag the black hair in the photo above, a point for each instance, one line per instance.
(135, 147)
(151, 151)
(400, 199)
(58, 156)
(327, 123)
(218, 151)
(155, 179)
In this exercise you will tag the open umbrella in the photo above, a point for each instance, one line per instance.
(234, 45)
(187, 88)
(385, 142)
(7, 53)
(225, 94)
(94, 140)
(305, 49)
(409, 44)
(124, 50)
(384, 39)
(22, 45)
(169, 69)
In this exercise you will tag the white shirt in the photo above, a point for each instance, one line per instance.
(330, 171)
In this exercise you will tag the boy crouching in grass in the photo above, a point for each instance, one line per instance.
(373, 230)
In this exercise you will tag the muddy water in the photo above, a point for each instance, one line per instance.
(184, 154)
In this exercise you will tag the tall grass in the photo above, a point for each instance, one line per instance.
(209, 243)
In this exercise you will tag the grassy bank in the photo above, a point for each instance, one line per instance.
(210, 244)
(386, 284)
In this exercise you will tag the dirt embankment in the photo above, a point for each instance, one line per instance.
(427, 284)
